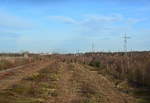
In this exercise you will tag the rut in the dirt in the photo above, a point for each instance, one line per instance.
(78, 84)
(12, 76)
(62, 82)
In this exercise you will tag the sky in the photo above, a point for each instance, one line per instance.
(68, 26)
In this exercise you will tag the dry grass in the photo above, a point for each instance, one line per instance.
(63, 83)
(7, 63)
(34, 89)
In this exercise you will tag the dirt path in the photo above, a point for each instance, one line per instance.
(11, 76)
(78, 84)
(60, 82)
(104, 86)
(65, 87)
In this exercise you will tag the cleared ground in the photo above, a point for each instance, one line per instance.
(59, 82)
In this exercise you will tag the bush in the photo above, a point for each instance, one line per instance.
(95, 64)
(4, 64)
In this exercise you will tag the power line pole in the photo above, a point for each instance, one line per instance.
(127, 63)
(125, 43)
(92, 47)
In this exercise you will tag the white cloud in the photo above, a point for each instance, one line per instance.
(96, 18)
(104, 18)
(134, 20)
(10, 21)
(87, 18)
(64, 19)
(95, 24)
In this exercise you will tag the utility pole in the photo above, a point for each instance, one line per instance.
(125, 43)
(125, 68)
(77, 52)
(92, 47)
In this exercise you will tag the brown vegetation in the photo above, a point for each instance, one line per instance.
(134, 67)
(82, 78)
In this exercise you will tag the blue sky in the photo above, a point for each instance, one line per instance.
(71, 25)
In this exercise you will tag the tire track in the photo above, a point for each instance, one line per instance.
(13, 75)
(65, 83)
(78, 84)
(104, 86)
